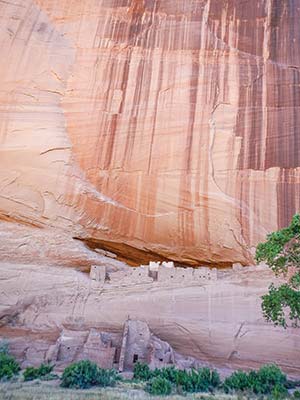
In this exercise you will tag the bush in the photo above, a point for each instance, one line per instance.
(142, 372)
(169, 373)
(279, 392)
(296, 394)
(8, 366)
(238, 381)
(159, 386)
(210, 378)
(266, 378)
(202, 380)
(269, 379)
(84, 374)
(42, 371)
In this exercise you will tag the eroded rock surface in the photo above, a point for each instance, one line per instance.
(168, 126)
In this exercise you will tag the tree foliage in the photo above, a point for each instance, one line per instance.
(281, 251)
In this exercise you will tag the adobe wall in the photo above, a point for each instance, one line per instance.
(162, 273)
(137, 344)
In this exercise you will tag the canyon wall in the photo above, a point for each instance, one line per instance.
(153, 128)
(219, 322)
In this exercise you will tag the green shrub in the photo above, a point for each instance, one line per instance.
(142, 372)
(296, 394)
(42, 371)
(210, 378)
(183, 381)
(8, 365)
(159, 386)
(279, 392)
(266, 378)
(84, 374)
(107, 377)
(238, 381)
(168, 373)
(202, 380)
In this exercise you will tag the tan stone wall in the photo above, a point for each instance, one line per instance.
(130, 276)
(166, 273)
(98, 273)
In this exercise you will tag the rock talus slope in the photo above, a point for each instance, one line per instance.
(171, 126)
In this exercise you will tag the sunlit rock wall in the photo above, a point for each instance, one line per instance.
(169, 125)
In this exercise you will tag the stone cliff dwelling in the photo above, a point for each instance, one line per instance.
(164, 272)
(108, 350)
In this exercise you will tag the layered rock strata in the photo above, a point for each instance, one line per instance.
(171, 127)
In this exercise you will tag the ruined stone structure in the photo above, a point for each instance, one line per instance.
(98, 273)
(155, 272)
(74, 345)
(99, 348)
(108, 350)
(135, 344)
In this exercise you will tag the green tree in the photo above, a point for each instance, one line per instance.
(281, 251)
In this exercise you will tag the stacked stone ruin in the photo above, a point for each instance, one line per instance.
(165, 273)
(119, 350)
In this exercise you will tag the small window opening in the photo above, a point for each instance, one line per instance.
(116, 356)
(135, 358)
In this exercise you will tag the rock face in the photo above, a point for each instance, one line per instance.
(218, 322)
(171, 127)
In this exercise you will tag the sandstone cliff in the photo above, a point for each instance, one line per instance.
(170, 126)
(217, 321)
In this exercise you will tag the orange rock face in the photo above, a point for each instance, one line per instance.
(168, 126)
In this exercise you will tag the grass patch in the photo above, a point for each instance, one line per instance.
(48, 391)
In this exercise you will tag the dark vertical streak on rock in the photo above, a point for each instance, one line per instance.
(288, 198)
(111, 140)
(159, 82)
(131, 132)
(193, 105)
